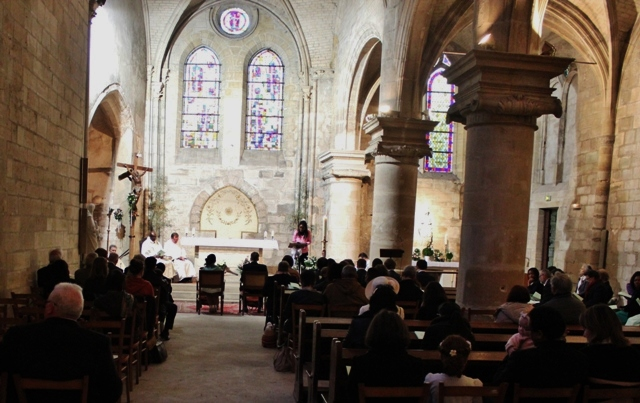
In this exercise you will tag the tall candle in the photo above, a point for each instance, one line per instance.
(271, 234)
(193, 231)
(324, 228)
(265, 234)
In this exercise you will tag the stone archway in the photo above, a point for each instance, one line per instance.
(246, 196)
(230, 213)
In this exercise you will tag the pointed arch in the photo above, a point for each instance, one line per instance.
(265, 101)
(201, 100)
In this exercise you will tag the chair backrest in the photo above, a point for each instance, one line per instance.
(589, 394)
(24, 384)
(410, 308)
(495, 392)
(570, 393)
(253, 281)
(211, 279)
(393, 392)
(343, 311)
(3, 387)
(312, 309)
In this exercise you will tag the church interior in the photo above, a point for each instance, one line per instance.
(502, 133)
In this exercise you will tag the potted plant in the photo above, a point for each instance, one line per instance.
(448, 256)
(428, 251)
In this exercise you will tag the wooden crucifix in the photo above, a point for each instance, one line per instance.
(134, 174)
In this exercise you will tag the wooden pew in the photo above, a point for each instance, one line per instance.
(341, 358)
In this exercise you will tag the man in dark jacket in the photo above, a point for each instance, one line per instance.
(59, 349)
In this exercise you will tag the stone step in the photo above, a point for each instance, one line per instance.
(187, 291)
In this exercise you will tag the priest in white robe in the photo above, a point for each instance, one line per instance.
(184, 267)
(151, 247)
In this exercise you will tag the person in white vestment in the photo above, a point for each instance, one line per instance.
(151, 247)
(184, 267)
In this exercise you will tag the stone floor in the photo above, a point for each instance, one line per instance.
(215, 358)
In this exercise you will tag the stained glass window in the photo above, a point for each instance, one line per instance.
(234, 21)
(439, 98)
(265, 84)
(201, 100)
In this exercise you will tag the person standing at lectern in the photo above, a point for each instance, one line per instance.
(302, 239)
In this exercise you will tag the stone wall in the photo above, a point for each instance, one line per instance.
(267, 178)
(624, 200)
(42, 105)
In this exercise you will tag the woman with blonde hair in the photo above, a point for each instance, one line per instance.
(611, 358)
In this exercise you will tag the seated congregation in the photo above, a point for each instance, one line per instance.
(564, 346)
(104, 324)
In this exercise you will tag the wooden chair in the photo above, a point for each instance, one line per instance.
(320, 353)
(24, 384)
(631, 393)
(142, 334)
(394, 392)
(311, 309)
(410, 308)
(497, 393)
(210, 288)
(541, 394)
(251, 288)
(115, 330)
(4, 378)
(343, 311)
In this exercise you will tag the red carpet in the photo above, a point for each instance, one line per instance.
(229, 308)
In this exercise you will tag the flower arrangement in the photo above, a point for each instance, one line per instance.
(310, 263)
(118, 215)
(132, 201)
(448, 256)
(416, 254)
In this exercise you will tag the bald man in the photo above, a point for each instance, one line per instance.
(59, 349)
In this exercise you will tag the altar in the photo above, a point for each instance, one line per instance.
(230, 251)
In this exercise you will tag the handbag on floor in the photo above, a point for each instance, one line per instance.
(283, 360)
(158, 353)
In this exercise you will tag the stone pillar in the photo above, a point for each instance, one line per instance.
(500, 95)
(343, 173)
(397, 144)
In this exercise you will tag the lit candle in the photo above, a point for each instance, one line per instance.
(324, 228)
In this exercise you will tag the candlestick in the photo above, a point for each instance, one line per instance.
(324, 228)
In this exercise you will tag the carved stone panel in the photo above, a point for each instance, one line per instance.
(229, 213)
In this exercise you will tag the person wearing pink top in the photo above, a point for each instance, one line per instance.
(302, 237)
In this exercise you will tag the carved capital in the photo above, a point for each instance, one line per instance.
(306, 91)
(338, 164)
(504, 84)
(403, 138)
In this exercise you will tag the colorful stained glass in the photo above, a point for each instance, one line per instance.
(234, 21)
(201, 100)
(439, 99)
(265, 102)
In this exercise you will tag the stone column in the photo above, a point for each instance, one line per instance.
(500, 95)
(397, 144)
(343, 173)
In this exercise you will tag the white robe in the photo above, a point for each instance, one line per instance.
(183, 267)
(151, 248)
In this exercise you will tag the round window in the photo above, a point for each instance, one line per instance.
(234, 21)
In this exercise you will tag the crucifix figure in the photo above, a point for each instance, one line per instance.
(134, 173)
